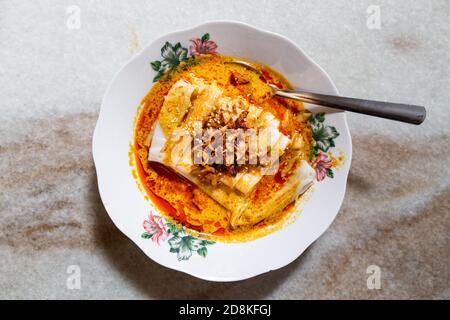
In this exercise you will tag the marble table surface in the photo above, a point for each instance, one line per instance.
(396, 213)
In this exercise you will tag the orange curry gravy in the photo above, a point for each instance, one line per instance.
(180, 200)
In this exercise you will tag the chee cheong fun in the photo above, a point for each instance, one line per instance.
(219, 152)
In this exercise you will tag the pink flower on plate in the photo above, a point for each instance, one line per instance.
(156, 228)
(322, 164)
(202, 46)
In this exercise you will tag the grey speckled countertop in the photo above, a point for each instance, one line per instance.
(396, 213)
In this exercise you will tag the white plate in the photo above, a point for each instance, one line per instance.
(126, 205)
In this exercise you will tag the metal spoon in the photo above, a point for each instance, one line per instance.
(394, 111)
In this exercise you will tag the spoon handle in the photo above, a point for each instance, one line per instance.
(394, 111)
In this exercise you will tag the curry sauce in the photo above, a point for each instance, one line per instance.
(182, 201)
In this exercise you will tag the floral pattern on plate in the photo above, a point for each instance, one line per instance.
(323, 136)
(173, 55)
(184, 245)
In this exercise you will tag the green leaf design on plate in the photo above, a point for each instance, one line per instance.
(172, 56)
(203, 251)
(323, 135)
(155, 65)
(205, 37)
(146, 235)
(185, 245)
(207, 242)
(175, 242)
(172, 228)
(318, 118)
(157, 77)
(330, 173)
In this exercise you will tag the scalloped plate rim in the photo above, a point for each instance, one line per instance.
(132, 237)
